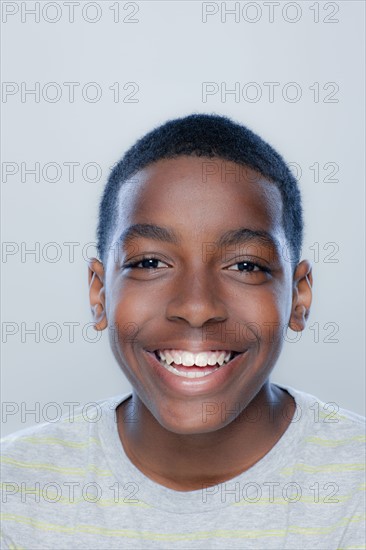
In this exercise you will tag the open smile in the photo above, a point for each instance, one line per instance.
(193, 365)
(195, 380)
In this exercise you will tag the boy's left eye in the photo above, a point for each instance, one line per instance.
(248, 267)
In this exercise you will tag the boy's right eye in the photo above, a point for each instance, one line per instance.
(148, 263)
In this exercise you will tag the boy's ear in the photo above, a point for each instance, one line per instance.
(97, 293)
(302, 296)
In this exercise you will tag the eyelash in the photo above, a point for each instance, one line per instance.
(133, 265)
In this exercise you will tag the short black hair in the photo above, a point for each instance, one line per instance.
(212, 136)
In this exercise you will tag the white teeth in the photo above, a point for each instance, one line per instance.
(186, 374)
(168, 357)
(188, 359)
(212, 359)
(201, 359)
(221, 358)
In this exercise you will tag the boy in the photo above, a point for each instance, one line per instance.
(199, 239)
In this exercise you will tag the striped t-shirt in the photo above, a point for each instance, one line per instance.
(70, 485)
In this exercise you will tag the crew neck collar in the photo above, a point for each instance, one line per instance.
(155, 495)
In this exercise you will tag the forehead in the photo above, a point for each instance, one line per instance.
(203, 193)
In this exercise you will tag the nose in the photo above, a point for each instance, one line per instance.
(196, 301)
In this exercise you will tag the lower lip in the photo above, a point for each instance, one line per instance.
(190, 386)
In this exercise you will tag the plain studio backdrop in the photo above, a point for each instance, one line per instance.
(82, 81)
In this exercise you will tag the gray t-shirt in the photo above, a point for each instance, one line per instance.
(70, 485)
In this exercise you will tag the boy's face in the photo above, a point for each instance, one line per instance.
(200, 295)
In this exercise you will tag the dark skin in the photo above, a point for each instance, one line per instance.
(189, 296)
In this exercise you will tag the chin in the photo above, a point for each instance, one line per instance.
(188, 423)
(193, 429)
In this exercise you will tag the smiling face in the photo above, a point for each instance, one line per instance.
(213, 277)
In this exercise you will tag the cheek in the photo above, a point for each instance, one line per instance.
(129, 313)
(133, 307)
(261, 313)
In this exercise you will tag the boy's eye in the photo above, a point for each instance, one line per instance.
(147, 263)
(151, 263)
(248, 267)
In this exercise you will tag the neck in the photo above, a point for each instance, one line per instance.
(186, 462)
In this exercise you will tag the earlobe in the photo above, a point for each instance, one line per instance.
(97, 294)
(302, 296)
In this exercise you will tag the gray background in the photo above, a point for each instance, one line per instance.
(169, 52)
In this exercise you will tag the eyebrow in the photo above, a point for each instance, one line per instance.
(168, 235)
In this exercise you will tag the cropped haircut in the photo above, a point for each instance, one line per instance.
(211, 136)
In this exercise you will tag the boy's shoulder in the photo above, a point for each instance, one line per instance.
(326, 425)
(322, 414)
(72, 431)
